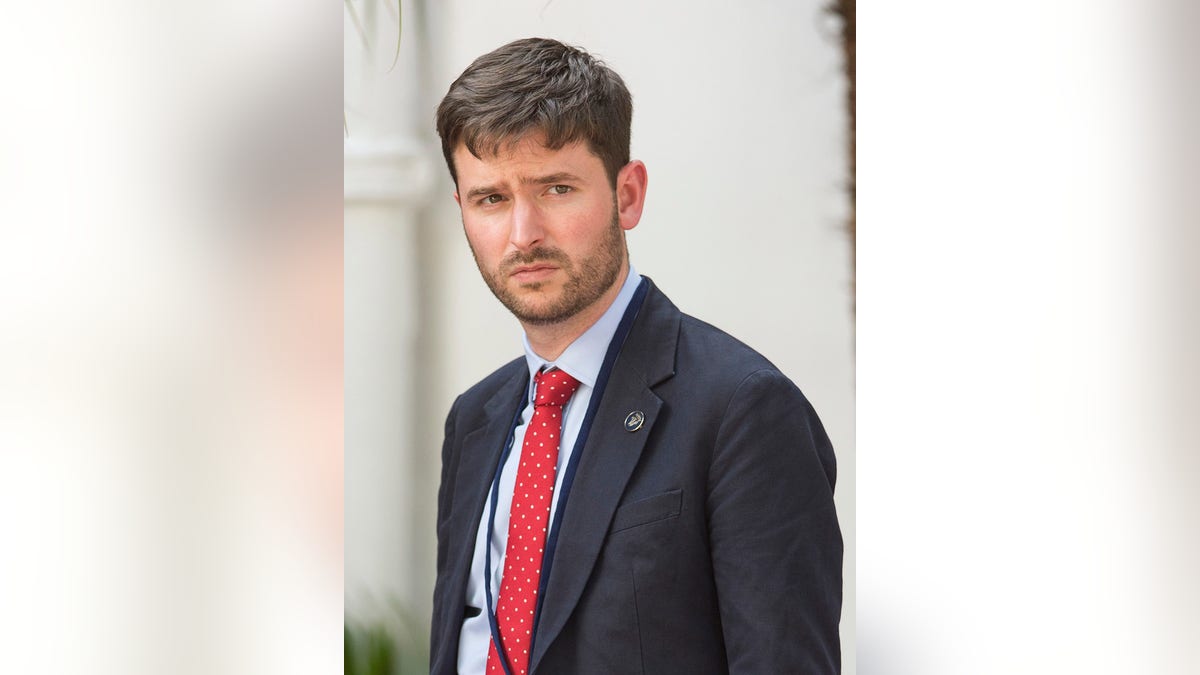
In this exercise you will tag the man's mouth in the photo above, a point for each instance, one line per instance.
(532, 272)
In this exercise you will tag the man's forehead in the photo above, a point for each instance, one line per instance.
(527, 153)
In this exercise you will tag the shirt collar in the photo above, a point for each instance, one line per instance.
(583, 358)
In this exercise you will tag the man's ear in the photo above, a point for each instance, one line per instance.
(457, 200)
(631, 193)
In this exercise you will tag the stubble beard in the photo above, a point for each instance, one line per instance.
(595, 275)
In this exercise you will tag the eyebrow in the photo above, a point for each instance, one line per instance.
(550, 179)
(560, 177)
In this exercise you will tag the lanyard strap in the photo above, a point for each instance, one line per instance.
(610, 358)
(487, 552)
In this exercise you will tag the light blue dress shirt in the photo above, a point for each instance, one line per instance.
(581, 360)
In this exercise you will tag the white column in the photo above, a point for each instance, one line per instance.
(388, 175)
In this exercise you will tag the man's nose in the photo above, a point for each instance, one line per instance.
(528, 225)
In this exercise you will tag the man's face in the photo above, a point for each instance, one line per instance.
(543, 227)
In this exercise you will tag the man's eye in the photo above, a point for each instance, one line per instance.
(560, 189)
(492, 199)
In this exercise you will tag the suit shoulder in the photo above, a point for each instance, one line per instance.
(712, 368)
(701, 343)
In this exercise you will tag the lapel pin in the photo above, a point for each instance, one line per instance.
(634, 420)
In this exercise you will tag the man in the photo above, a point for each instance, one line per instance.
(640, 493)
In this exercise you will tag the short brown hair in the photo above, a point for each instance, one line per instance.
(537, 84)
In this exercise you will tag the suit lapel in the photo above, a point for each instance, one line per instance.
(608, 459)
(479, 456)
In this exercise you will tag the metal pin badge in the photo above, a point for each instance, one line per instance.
(634, 420)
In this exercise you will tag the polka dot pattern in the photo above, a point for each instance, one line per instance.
(529, 517)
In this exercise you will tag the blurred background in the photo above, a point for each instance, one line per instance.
(741, 117)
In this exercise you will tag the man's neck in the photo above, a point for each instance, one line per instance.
(551, 340)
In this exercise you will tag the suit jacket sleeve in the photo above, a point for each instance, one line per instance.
(775, 543)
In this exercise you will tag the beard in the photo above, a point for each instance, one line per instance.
(586, 282)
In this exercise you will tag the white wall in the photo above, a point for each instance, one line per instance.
(738, 114)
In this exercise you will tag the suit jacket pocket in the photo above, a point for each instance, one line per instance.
(648, 510)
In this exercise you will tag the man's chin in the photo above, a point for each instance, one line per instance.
(536, 313)
(538, 306)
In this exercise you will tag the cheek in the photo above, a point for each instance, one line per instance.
(487, 242)
(590, 226)
(581, 219)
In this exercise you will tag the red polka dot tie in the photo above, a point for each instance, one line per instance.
(528, 521)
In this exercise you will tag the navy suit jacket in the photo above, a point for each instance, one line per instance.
(704, 542)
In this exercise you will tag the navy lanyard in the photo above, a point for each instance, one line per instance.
(610, 357)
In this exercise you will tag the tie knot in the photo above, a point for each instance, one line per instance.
(554, 387)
